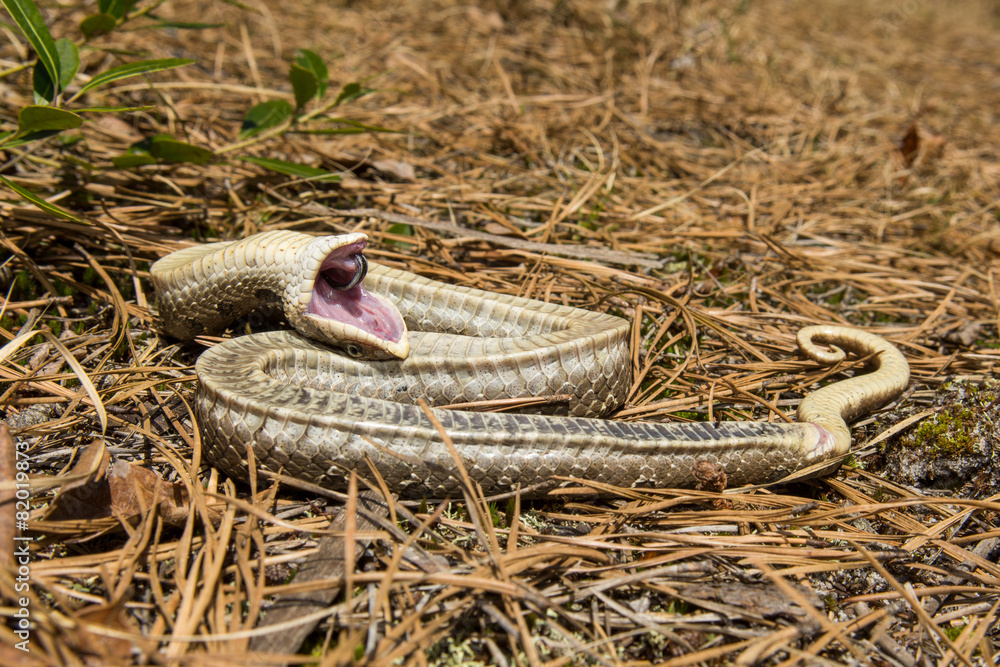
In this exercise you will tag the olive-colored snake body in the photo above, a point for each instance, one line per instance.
(315, 413)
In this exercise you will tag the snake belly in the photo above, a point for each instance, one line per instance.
(307, 410)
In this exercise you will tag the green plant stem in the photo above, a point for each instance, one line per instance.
(17, 68)
(26, 155)
(267, 134)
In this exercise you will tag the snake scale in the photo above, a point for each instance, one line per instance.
(315, 405)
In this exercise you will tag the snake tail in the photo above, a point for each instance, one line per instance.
(832, 406)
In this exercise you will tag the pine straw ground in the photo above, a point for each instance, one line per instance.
(784, 164)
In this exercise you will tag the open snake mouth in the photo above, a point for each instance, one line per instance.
(339, 296)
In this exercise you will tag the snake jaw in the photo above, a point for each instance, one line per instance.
(337, 307)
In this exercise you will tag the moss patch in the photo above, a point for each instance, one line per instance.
(956, 448)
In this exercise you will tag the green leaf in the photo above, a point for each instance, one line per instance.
(137, 154)
(69, 139)
(69, 61)
(264, 116)
(42, 118)
(304, 84)
(162, 148)
(31, 23)
(115, 8)
(401, 229)
(311, 61)
(167, 149)
(41, 203)
(42, 89)
(130, 161)
(352, 91)
(133, 69)
(293, 169)
(97, 24)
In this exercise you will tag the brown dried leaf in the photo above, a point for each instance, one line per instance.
(86, 493)
(126, 491)
(498, 229)
(909, 146)
(964, 335)
(135, 489)
(711, 477)
(402, 170)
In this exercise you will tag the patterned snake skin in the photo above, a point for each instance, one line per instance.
(315, 413)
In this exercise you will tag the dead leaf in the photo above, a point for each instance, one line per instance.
(964, 336)
(497, 229)
(919, 148)
(126, 491)
(135, 489)
(910, 145)
(90, 467)
(711, 477)
(86, 494)
(402, 170)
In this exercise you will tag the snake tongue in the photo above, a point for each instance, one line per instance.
(352, 314)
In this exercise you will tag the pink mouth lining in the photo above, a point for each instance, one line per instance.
(356, 306)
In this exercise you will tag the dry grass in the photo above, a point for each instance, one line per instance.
(759, 149)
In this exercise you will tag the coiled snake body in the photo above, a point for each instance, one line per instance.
(315, 412)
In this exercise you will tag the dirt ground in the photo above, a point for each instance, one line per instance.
(720, 173)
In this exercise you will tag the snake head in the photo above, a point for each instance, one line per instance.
(328, 301)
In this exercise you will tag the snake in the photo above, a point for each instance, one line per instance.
(365, 381)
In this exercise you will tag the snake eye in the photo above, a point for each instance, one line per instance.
(360, 271)
(354, 350)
